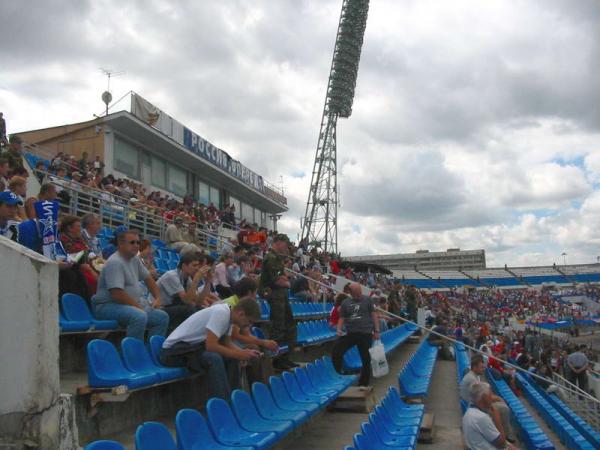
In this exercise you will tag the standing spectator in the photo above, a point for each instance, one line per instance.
(147, 258)
(2, 129)
(274, 286)
(119, 291)
(577, 363)
(14, 155)
(4, 169)
(82, 164)
(358, 315)
(98, 166)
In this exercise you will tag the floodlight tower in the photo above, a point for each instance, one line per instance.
(319, 226)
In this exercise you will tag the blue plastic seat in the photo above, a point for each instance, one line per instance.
(157, 243)
(379, 435)
(286, 402)
(172, 265)
(270, 410)
(153, 436)
(309, 388)
(105, 368)
(193, 433)
(138, 360)
(72, 325)
(104, 445)
(228, 431)
(251, 420)
(75, 308)
(383, 425)
(293, 388)
(362, 442)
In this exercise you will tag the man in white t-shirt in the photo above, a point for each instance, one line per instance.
(203, 342)
(481, 423)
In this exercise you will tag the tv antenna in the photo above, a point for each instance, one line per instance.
(106, 95)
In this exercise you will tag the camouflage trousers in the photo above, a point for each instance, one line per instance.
(283, 327)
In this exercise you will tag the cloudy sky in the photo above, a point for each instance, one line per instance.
(475, 124)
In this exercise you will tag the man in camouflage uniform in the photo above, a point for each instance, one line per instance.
(274, 286)
(411, 303)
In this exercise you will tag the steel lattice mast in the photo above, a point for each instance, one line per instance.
(319, 226)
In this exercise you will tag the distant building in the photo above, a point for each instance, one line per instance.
(451, 259)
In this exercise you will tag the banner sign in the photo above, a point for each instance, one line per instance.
(197, 145)
(47, 218)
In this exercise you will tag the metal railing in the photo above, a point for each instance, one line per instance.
(583, 406)
(114, 210)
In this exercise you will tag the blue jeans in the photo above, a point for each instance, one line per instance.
(135, 319)
(222, 374)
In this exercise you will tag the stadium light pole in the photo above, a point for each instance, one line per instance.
(564, 255)
(319, 227)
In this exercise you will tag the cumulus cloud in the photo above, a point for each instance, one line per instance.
(475, 124)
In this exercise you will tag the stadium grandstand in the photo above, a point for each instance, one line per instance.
(451, 259)
(104, 388)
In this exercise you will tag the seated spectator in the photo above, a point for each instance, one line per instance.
(221, 283)
(175, 239)
(482, 426)
(383, 317)
(8, 209)
(147, 257)
(73, 243)
(47, 193)
(191, 237)
(119, 291)
(472, 377)
(4, 170)
(90, 225)
(203, 342)
(18, 186)
(334, 315)
(178, 288)
(301, 288)
(40, 171)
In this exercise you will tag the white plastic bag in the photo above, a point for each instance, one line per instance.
(379, 364)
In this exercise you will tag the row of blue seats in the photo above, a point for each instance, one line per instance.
(256, 421)
(567, 433)
(391, 339)
(392, 424)
(462, 366)
(309, 309)
(75, 316)
(137, 366)
(314, 332)
(415, 377)
(580, 425)
(532, 435)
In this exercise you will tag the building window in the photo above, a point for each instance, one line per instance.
(126, 159)
(215, 197)
(177, 181)
(159, 173)
(203, 193)
(247, 213)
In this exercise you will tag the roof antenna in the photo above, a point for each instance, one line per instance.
(106, 95)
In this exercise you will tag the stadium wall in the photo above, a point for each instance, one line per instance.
(32, 411)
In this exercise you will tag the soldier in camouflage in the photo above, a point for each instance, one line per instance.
(274, 286)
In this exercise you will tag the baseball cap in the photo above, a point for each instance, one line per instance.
(178, 219)
(8, 198)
